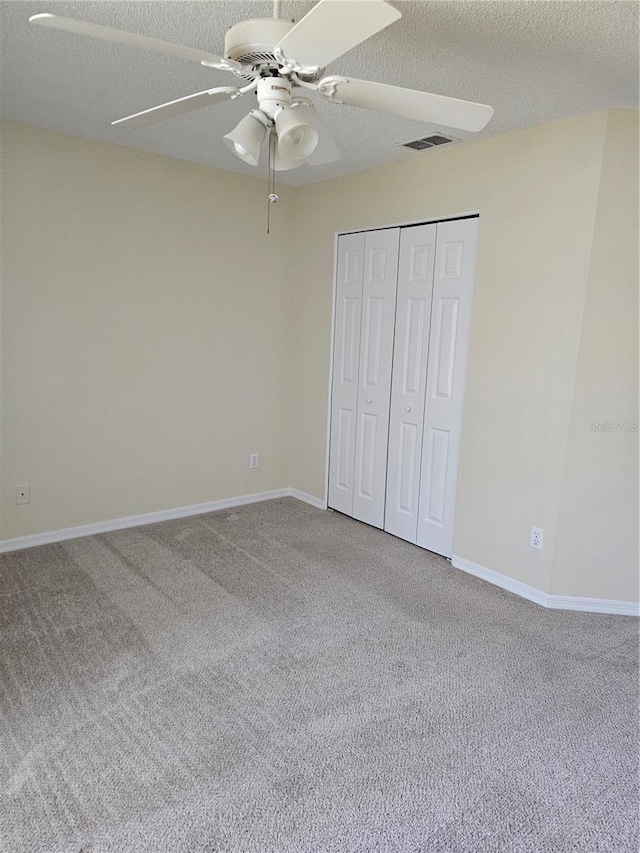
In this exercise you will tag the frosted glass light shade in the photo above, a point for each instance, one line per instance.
(246, 139)
(296, 139)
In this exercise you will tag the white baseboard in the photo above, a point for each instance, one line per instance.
(554, 602)
(593, 605)
(318, 503)
(137, 520)
(503, 581)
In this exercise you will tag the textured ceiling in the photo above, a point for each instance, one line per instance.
(532, 61)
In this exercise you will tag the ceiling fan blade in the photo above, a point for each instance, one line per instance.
(326, 151)
(178, 107)
(83, 28)
(332, 28)
(423, 106)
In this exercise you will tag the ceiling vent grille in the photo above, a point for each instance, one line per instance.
(428, 142)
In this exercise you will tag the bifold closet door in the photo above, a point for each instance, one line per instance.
(393, 457)
(446, 375)
(406, 420)
(346, 362)
(374, 388)
(362, 358)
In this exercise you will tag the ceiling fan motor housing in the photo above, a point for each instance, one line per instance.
(252, 42)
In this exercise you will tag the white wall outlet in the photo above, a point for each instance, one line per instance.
(254, 460)
(23, 494)
(537, 534)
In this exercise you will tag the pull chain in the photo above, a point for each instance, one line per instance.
(272, 198)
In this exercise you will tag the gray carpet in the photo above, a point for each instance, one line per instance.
(277, 678)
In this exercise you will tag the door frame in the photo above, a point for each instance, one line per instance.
(470, 214)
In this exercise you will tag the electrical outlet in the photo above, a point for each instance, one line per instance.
(23, 494)
(254, 460)
(537, 534)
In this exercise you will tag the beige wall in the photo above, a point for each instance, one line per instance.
(597, 534)
(149, 347)
(536, 191)
(147, 332)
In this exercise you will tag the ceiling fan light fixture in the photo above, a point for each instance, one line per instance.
(246, 139)
(275, 57)
(297, 140)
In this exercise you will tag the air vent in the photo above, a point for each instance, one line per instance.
(428, 142)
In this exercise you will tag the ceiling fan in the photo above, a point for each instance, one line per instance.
(273, 57)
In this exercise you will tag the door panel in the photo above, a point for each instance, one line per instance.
(372, 340)
(344, 448)
(446, 374)
(413, 331)
(408, 464)
(436, 450)
(346, 371)
(413, 314)
(444, 350)
(367, 455)
(376, 347)
(350, 339)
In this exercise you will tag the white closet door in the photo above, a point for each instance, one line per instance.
(413, 318)
(376, 354)
(344, 400)
(446, 374)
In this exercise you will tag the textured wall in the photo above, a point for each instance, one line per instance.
(536, 191)
(597, 538)
(147, 332)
